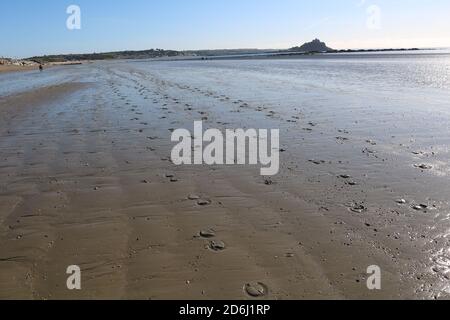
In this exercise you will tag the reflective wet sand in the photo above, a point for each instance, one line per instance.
(86, 179)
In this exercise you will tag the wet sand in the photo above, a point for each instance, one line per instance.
(12, 68)
(86, 180)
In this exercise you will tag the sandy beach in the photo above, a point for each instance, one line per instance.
(13, 68)
(86, 179)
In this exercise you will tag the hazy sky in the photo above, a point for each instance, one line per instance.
(35, 27)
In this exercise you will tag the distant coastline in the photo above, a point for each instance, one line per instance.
(203, 54)
(12, 65)
(310, 48)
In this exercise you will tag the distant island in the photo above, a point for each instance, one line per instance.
(314, 46)
(317, 46)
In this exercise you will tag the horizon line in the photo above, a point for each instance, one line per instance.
(215, 49)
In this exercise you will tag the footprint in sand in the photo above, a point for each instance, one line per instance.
(202, 202)
(207, 233)
(420, 207)
(358, 208)
(423, 166)
(256, 289)
(217, 245)
(317, 161)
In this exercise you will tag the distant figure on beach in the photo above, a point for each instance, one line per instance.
(41, 68)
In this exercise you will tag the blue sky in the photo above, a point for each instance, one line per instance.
(30, 27)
